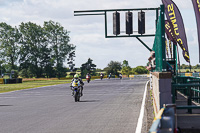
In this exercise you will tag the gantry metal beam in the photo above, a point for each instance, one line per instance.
(104, 12)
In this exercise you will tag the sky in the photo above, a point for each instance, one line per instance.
(87, 33)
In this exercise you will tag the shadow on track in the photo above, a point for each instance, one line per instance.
(85, 101)
(5, 105)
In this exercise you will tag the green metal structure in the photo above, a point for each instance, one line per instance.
(105, 12)
(159, 43)
(188, 86)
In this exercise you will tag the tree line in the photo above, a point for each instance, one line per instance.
(35, 51)
(31, 50)
(113, 67)
(184, 66)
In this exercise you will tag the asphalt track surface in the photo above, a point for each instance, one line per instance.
(107, 106)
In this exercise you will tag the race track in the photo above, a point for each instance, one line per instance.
(107, 106)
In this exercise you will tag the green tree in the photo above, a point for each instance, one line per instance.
(113, 67)
(126, 69)
(197, 66)
(140, 70)
(125, 63)
(9, 45)
(40, 51)
(88, 67)
(70, 60)
(183, 66)
(26, 73)
(58, 39)
(34, 53)
(2, 62)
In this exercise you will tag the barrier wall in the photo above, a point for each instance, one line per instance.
(12, 81)
(1, 81)
(188, 74)
(161, 89)
(133, 76)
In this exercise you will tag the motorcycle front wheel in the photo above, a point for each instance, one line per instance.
(76, 96)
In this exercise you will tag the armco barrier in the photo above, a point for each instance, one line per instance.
(97, 77)
(188, 74)
(124, 76)
(131, 76)
(66, 78)
(39, 79)
(195, 74)
(165, 121)
(142, 75)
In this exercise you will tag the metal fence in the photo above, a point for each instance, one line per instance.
(195, 74)
(188, 86)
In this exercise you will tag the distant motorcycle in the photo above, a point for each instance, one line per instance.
(88, 78)
(101, 76)
(109, 76)
(76, 88)
(120, 76)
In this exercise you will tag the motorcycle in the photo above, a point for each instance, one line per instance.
(76, 88)
(120, 76)
(101, 76)
(109, 76)
(88, 78)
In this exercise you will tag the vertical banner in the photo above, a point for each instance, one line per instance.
(173, 15)
(170, 35)
(196, 5)
(169, 30)
(170, 48)
(166, 48)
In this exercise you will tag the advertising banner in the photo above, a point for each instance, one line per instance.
(166, 48)
(196, 5)
(170, 48)
(173, 15)
(170, 35)
(169, 30)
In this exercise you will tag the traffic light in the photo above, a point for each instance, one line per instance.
(116, 23)
(141, 22)
(129, 23)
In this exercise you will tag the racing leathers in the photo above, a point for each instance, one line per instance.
(81, 82)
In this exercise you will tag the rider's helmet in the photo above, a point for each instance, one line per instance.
(76, 76)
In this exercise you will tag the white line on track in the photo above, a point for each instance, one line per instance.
(140, 119)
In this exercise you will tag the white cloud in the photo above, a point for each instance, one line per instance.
(87, 32)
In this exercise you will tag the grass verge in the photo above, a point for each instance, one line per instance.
(30, 84)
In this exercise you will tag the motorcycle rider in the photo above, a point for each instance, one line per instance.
(120, 75)
(101, 75)
(88, 75)
(81, 82)
(109, 76)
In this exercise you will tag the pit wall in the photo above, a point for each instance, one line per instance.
(161, 89)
